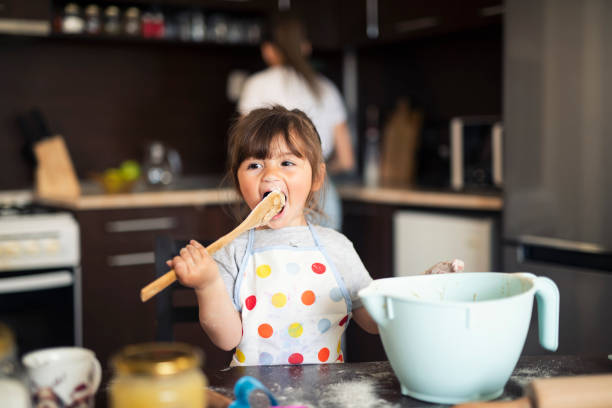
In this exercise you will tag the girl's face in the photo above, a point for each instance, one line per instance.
(283, 171)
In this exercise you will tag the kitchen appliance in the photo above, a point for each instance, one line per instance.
(40, 277)
(557, 215)
(476, 152)
(480, 323)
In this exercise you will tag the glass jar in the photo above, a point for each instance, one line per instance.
(112, 24)
(157, 375)
(131, 21)
(13, 390)
(92, 19)
(72, 22)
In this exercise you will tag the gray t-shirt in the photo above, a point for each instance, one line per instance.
(339, 249)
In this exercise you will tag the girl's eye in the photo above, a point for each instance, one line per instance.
(252, 166)
(288, 163)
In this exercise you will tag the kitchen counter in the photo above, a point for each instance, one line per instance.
(373, 384)
(207, 191)
(186, 191)
(481, 201)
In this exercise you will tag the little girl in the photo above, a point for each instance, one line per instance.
(283, 293)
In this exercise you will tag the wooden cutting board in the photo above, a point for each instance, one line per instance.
(55, 175)
(399, 146)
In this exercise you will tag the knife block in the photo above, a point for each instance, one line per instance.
(55, 175)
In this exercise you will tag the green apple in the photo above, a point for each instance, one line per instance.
(130, 170)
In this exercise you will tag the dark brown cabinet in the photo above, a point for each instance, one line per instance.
(368, 22)
(25, 10)
(118, 260)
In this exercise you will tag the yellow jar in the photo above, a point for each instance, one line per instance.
(158, 375)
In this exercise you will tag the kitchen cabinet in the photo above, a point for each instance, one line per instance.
(372, 229)
(25, 10)
(118, 260)
(369, 22)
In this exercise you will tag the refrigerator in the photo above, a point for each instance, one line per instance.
(557, 218)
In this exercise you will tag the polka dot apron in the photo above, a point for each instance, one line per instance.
(294, 306)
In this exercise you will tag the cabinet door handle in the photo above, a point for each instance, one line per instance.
(135, 258)
(141, 224)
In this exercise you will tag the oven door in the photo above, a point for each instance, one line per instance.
(39, 306)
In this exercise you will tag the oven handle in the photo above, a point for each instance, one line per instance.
(42, 281)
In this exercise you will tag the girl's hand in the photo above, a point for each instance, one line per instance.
(456, 265)
(194, 267)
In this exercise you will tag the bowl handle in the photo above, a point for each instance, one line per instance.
(547, 295)
(380, 307)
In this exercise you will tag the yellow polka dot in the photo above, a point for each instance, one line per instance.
(279, 299)
(263, 271)
(295, 330)
(240, 355)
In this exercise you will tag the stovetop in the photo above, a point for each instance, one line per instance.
(25, 209)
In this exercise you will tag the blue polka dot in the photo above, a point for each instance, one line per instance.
(265, 358)
(335, 294)
(324, 325)
(292, 268)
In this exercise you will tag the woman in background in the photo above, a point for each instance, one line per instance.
(291, 81)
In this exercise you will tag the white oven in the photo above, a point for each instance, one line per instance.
(40, 277)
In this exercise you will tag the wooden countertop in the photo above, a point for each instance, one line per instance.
(423, 198)
(206, 191)
(374, 383)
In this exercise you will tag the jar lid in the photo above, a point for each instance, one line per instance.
(72, 8)
(7, 340)
(112, 11)
(156, 359)
(92, 10)
(132, 12)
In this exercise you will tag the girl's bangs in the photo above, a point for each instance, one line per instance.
(262, 140)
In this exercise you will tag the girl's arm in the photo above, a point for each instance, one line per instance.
(195, 268)
(364, 320)
(218, 316)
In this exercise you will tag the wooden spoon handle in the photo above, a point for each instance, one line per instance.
(169, 277)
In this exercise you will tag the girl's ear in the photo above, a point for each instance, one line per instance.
(318, 182)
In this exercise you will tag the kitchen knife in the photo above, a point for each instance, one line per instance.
(583, 391)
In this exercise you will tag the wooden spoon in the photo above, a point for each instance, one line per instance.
(263, 212)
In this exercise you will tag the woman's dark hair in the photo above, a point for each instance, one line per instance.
(288, 34)
(255, 134)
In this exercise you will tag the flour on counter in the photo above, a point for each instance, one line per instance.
(360, 393)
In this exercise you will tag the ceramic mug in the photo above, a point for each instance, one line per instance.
(63, 376)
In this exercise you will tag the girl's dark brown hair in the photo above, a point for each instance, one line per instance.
(255, 135)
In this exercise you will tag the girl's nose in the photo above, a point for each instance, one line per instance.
(270, 175)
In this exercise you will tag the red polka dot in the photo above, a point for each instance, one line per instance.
(296, 358)
(323, 354)
(340, 358)
(344, 319)
(318, 268)
(250, 302)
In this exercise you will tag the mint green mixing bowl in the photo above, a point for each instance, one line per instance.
(453, 338)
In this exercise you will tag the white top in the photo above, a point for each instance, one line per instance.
(282, 85)
(340, 250)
